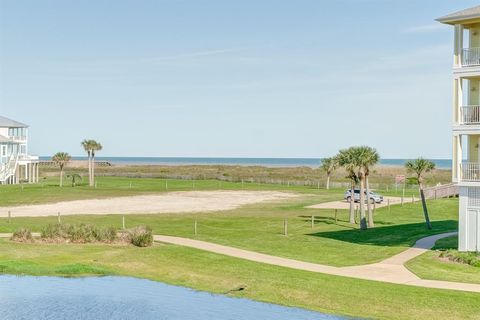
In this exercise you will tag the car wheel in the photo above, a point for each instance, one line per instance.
(349, 199)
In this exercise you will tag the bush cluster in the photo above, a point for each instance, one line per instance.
(470, 258)
(79, 233)
(140, 236)
(22, 235)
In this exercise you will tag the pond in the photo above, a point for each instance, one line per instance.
(28, 297)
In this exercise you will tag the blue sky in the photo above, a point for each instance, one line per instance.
(242, 78)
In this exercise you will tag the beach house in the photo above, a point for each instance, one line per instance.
(466, 122)
(16, 165)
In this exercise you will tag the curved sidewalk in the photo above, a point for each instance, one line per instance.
(391, 270)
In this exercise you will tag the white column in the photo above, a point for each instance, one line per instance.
(459, 157)
(458, 45)
(457, 112)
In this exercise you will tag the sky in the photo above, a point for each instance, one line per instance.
(230, 78)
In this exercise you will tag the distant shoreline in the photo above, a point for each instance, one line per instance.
(265, 162)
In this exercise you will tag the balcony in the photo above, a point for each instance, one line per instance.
(470, 172)
(470, 57)
(18, 138)
(470, 115)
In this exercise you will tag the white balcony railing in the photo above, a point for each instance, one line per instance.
(471, 57)
(470, 114)
(18, 138)
(470, 171)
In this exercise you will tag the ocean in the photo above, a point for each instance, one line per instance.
(266, 162)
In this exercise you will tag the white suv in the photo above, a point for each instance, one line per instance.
(374, 197)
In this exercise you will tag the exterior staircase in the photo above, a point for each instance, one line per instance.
(7, 171)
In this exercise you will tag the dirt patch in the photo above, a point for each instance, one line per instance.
(343, 204)
(174, 202)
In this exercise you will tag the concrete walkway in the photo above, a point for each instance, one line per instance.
(391, 270)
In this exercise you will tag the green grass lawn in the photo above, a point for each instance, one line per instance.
(216, 273)
(430, 266)
(259, 227)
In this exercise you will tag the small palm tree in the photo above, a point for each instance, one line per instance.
(75, 178)
(61, 159)
(419, 167)
(329, 165)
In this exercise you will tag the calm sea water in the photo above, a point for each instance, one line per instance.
(267, 162)
(128, 298)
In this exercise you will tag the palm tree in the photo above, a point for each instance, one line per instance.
(329, 165)
(96, 147)
(370, 157)
(91, 146)
(61, 159)
(346, 159)
(419, 167)
(88, 147)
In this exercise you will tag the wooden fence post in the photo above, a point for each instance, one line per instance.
(313, 221)
(123, 222)
(195, 227)
(58, 218)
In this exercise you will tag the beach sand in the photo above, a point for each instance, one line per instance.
(173, 202)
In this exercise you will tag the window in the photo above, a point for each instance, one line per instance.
(4, 150)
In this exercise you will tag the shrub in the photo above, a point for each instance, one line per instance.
(82, 233)
(22, 235)
(105, 234)
(470, 258)
(140, 236)
(54, 231)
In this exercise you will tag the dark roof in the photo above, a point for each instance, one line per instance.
(466, 14)
(9, 123)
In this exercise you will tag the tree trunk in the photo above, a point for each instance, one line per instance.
(352, 202)
(371, 224)
(93, 170)
(328, 181)
(363, 218)
(89, 169)
(61, 177)
(425, 210)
